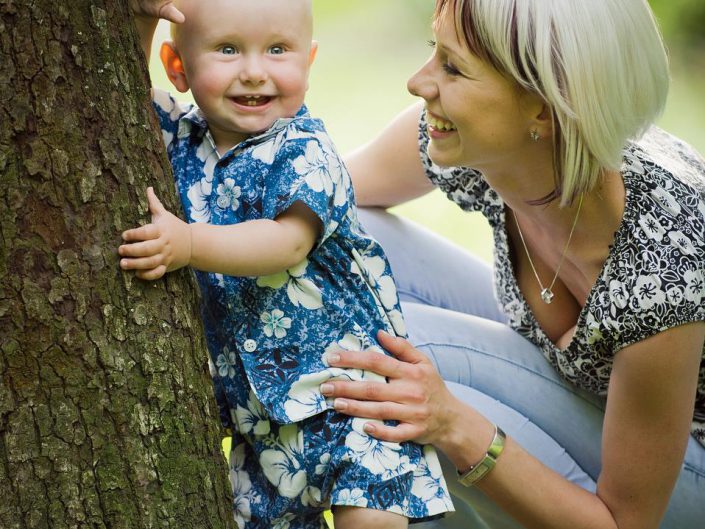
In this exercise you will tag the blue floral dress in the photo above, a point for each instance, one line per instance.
(267, 336)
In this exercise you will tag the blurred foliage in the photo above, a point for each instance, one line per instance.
(682, 23)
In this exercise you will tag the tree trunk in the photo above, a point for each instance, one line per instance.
(107, 417)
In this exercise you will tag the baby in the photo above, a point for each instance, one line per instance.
(285, 270)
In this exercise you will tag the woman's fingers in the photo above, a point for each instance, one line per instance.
(371, 410)
(406, 429)
(395, 434)
(398, 391)
(367, 360)
(400, 348)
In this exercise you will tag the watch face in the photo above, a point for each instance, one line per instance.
(477, 472)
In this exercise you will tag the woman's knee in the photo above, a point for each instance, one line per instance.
(430, 270)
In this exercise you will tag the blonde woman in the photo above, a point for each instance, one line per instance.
(539, 113)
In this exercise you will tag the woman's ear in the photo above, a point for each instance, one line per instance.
(538, 114)
(312, 53)
(173, 65)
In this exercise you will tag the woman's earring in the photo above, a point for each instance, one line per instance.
(534, 134)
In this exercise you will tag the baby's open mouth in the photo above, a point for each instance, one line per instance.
(252, 101)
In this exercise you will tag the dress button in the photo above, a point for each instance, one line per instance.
(249, 345)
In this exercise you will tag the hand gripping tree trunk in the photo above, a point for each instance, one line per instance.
(106, 409)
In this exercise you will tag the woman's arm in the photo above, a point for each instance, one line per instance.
(252, 248)
(387, 171)
(647, 422)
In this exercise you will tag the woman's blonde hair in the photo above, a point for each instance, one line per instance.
(600, 66)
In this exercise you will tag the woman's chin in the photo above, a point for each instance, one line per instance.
(443, 157)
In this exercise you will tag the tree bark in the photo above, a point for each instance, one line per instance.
(107, 417)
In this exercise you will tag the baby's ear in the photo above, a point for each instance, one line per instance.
(312, 53)
(174, 67)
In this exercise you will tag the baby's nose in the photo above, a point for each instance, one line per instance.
(253, 71)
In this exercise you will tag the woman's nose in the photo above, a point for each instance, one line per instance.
(421, 84)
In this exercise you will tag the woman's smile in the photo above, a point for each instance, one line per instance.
(438, 127)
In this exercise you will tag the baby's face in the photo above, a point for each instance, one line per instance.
(246, 62)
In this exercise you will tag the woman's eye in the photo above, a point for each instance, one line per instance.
(228, 50)
(450, 69)
(431, 43)
(276, 50)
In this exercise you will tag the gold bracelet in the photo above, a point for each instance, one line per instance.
(481, 469)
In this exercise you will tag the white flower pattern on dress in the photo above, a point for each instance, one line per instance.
(252, 419)
(352, 498)
(275, 323)
(379, 457)
(241, 485)
(429, 481)
(302, 292)
(226, 363)
(282, 464)
(228, 194)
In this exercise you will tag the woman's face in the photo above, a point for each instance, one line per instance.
(476, 117)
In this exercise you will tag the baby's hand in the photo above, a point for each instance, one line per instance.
(157, 9)
(159, 247)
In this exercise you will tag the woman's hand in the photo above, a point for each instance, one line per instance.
(157, 248)
(415, 394)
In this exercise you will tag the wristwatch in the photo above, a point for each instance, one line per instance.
(480, 470)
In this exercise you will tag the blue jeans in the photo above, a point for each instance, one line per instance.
(452, 315)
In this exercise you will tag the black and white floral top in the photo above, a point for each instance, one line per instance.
(653, 278)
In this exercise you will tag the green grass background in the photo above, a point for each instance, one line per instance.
(367, 51)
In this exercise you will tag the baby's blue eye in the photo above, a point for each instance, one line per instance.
(228, 50)
(276, 50)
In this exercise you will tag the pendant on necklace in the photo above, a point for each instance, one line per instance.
(547, 296)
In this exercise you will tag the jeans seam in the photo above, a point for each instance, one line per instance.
(515, 364)
(695, 470)
(414, 295)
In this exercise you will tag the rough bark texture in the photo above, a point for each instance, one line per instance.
(106, 410)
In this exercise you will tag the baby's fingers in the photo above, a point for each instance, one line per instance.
(153, 274)
(170, 12)
(155, 205)
(143, 233)
(142, 263)
(140, 249)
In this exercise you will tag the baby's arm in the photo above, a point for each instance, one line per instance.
(252, 248)
(147, 13)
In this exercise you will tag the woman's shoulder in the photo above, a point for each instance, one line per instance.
(655, 276)
(664, 155)
(664, 178)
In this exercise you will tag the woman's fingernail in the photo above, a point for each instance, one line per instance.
(369, 427)
(340, 404)
(332, 358)
(326, 389)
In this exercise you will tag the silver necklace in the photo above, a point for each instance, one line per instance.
(547, 292)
